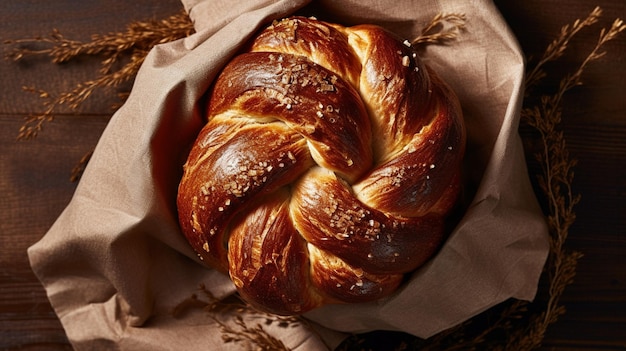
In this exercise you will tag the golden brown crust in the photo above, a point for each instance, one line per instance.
(340, 281)
(329, 216)
(395, 87)
(320, 42)
(311, 100)
(329, 162)
(231, 163)
(270, 268)
(425, 166)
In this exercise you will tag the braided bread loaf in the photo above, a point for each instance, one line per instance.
(329, 161)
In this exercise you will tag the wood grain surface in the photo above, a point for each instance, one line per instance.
(35, 186)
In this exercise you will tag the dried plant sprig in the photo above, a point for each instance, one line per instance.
(141, 35)
(73, 99)
(555, 182)
(558, 46)
(34, 123)
(255, 337)
(132, 44)
(441, 29)
(237, 329)
(252, 337)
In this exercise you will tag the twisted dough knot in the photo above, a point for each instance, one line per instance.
(328, 164)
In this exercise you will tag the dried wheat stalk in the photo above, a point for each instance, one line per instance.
(130, 46)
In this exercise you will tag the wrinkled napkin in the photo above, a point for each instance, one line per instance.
(115, 264)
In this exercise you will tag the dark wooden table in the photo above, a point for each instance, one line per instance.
(35, 186)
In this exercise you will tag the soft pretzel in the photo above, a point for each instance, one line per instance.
(328, 165)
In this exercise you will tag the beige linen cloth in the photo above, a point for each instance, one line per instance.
(115, 263)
